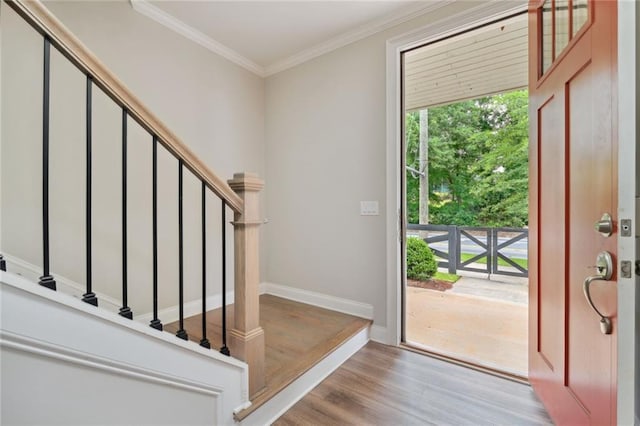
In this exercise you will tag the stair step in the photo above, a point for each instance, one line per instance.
(297, 337)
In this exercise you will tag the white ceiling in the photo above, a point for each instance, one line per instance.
(485, 61)
(269, 36)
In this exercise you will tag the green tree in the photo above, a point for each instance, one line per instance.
(503, 172)
(412, 138)
(478, 152)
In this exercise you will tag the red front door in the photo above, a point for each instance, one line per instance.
(573, 165)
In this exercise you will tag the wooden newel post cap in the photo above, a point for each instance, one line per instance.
(246, 181)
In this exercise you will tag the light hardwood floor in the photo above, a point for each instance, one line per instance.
(297, 336)
(384, 385)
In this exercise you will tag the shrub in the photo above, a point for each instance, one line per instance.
(421, 264)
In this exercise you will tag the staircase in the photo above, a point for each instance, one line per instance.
(304, 343)
(66, 362)
(107, 229)
(116, 257)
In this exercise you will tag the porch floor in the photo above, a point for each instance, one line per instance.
(486, 331)
(297, 336)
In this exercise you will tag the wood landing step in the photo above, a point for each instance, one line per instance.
(297, 337)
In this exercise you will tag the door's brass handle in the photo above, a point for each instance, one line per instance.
(604, 266)
(605, 322)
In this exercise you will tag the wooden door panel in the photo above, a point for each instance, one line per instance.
(551, 235)
(581, 327)
(585, 374)
(574, 181)
(589, 352)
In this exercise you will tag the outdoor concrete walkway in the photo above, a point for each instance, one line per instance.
(480, 321)
(505, 288)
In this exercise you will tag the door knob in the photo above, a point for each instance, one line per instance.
(604, 272)
(605, 225)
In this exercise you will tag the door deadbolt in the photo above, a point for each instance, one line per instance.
(605, 225)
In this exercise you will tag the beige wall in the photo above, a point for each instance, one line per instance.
(326, 152)
(212, 104)
(216, 107)
(323, 123)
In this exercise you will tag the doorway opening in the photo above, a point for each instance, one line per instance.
(465, 187)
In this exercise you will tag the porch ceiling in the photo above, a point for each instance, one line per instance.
(489, 60)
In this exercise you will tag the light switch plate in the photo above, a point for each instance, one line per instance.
(369, 208)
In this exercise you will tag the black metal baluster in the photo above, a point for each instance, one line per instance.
(89, 297)
(125, 310)
(204, 342)
(224, 349)
(181, 333)
(155, 322)
(46, 279)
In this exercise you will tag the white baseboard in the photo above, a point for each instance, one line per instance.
(172, 313)
(379, 334)
(285, 399)
(346, 306)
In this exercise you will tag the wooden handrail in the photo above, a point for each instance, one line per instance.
(41, 19)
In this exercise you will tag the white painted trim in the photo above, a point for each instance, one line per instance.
(1, 132)
(285, 399)
(76, 290)
(172, 313)
(379, 334)
(394, 200)
(169, 21)
(333, 303)
(62, 353)
(244, 406)
(65, 285)
(354, 35)
(453, 24)
(628, 317)
(89, 361)
(174, 24)
(23, 284)
(85, 335)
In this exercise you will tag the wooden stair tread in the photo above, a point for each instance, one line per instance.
(297, 337)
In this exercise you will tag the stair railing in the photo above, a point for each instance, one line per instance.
(240, 195)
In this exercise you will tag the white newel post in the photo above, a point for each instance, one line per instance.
(246, 338)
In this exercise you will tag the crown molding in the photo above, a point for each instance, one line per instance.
(149, 10)
(174, 24)
(354, 35)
